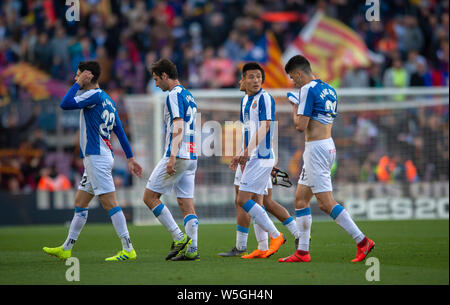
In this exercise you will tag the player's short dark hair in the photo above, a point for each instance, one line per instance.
(298, 62)
(93, 67)
(253, 66)
(165, 66)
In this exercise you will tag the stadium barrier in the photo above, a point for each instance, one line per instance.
(371, 201)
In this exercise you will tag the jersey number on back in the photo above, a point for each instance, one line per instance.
(330, 107)
(108, 124)
(189, 126)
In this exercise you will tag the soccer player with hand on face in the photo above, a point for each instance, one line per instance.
(98, 118)
(313, 112)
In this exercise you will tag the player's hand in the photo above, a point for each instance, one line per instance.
(84, 78)
(274, 171)
(234, 163)
(243, 157)
(134, 167)
(170, 167)
(293, 97)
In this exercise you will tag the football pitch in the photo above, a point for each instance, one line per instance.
(408, 252)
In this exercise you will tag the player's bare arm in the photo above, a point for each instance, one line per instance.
(300, 121)
(314, 130)
(176, 141)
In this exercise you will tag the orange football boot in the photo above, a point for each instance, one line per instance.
(255, 254)
(275, 244)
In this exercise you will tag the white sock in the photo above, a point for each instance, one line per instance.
(261, 217)
(191, 226)
(304, 221)
(291, 225)
(262, 237)
(164, 216)
(120, 225)
(345, 221)
(241, 238)
(77, 224)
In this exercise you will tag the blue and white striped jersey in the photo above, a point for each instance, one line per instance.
(318, 101)
(181, 104)
(254, 109)
(98, 118)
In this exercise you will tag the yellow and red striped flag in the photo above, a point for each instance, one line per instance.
(274, 69)
(331, 47)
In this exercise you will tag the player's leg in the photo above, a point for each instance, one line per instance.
(160, 183)
(82, 199)
(242, 227)
(110, 204)
(280, 213)
(303, 196)
(303, 219)
(324, 153)
(81, 203)
(254, 181)
(99, 174)
(184, 190)
(257, 212)
(261, 218)
(163, 214)
(262, 236)
(344, 220)
(242, 224)
(190, 219)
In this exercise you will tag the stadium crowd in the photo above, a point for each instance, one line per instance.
(206, 40)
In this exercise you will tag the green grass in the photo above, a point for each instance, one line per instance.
(409, 252)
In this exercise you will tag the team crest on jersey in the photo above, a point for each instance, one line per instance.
(254, 105)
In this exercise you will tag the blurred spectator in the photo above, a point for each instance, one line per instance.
(217, 71)
(421, 76)
(396, 76)
(60, 48)
(396, 168)
(410, 36)
(432, 147)
(215, 30)
(375, 79)
(13, 133)
(106, 66)
(414, 58)
(53, 181)
(355, 78)
(43, 52)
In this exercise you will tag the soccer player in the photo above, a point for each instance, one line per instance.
(313, 113)
(243, 219)
(176, 170)
(257, 157)
(98, 118)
